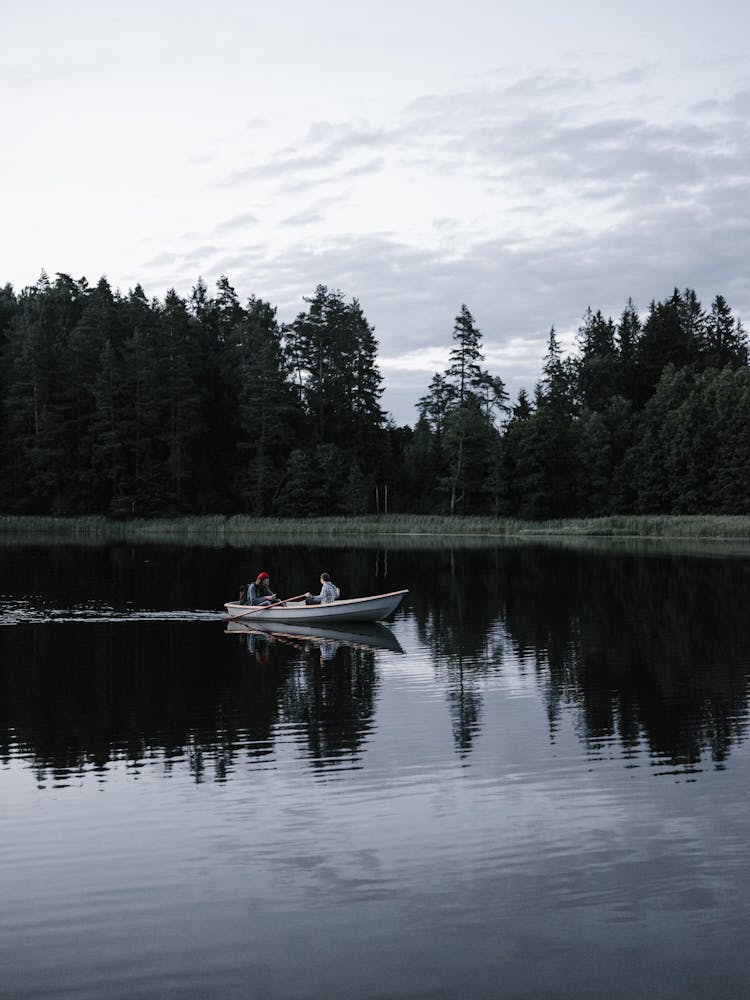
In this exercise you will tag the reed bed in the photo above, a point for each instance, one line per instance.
(242, 529)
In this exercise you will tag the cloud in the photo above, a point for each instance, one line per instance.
(326, 151)
(372, 166)
(341, 139)
(242, 221)
(430, 360)
(308, 218)
(528, 200)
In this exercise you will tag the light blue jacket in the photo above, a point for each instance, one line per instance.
(329, 593)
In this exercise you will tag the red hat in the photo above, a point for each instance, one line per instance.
(263, 576)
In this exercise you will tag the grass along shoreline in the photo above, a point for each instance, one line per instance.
(234, 528)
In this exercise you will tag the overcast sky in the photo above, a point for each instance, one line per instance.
(528, 159)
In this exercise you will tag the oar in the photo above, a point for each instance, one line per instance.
(263, 607)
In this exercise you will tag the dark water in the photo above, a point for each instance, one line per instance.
(533, 782)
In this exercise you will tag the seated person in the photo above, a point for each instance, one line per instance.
(329, 592)
(259, 593)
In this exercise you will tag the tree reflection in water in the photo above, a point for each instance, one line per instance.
(644, 648)
(77, 696)
(650, 647)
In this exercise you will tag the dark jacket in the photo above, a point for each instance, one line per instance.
(260, 593)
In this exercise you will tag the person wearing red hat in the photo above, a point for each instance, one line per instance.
(259, 592)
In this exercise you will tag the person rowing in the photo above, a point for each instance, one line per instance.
(329, 592)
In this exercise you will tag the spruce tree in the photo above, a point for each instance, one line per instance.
(598, 364)
(333, 350)
(460, 408)
(268, 408)
(723, 340)
(668, 338)
(628, 335)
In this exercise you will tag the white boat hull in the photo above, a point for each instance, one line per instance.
(357, 609)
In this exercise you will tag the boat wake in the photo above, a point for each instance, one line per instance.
(21, 612)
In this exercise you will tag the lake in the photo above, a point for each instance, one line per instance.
(531, 782)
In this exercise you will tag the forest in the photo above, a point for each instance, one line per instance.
(128, 407)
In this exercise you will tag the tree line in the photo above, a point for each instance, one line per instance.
(128, 406)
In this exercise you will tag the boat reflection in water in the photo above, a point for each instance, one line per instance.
(362, 635)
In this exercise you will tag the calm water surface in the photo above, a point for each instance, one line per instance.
(531, 782)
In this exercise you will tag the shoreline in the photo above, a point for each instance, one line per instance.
(234, 528)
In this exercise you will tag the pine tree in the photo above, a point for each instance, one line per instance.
(8, 311)
(333, 355)
(268, 409)
(723, 340)
(96, 330)
(110, 449)
(180, 368)
(308, 487)
(594, 459)
(627, 338)
(217, 463)
(558, 385)
(728, 399)
(550, 467)
(364, 389)
(598, 367)
(423, 468)
(668, 338)
(35, 401)
(649, 463)
(464, 372)
(460, 408)
(144, 490)
(434, 406)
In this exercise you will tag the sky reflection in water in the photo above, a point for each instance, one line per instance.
(540, 789)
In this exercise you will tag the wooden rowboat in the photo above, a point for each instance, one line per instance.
(356, 609)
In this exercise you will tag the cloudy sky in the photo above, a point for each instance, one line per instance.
(527, 158)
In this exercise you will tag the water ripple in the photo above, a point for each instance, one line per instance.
(32, 611)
